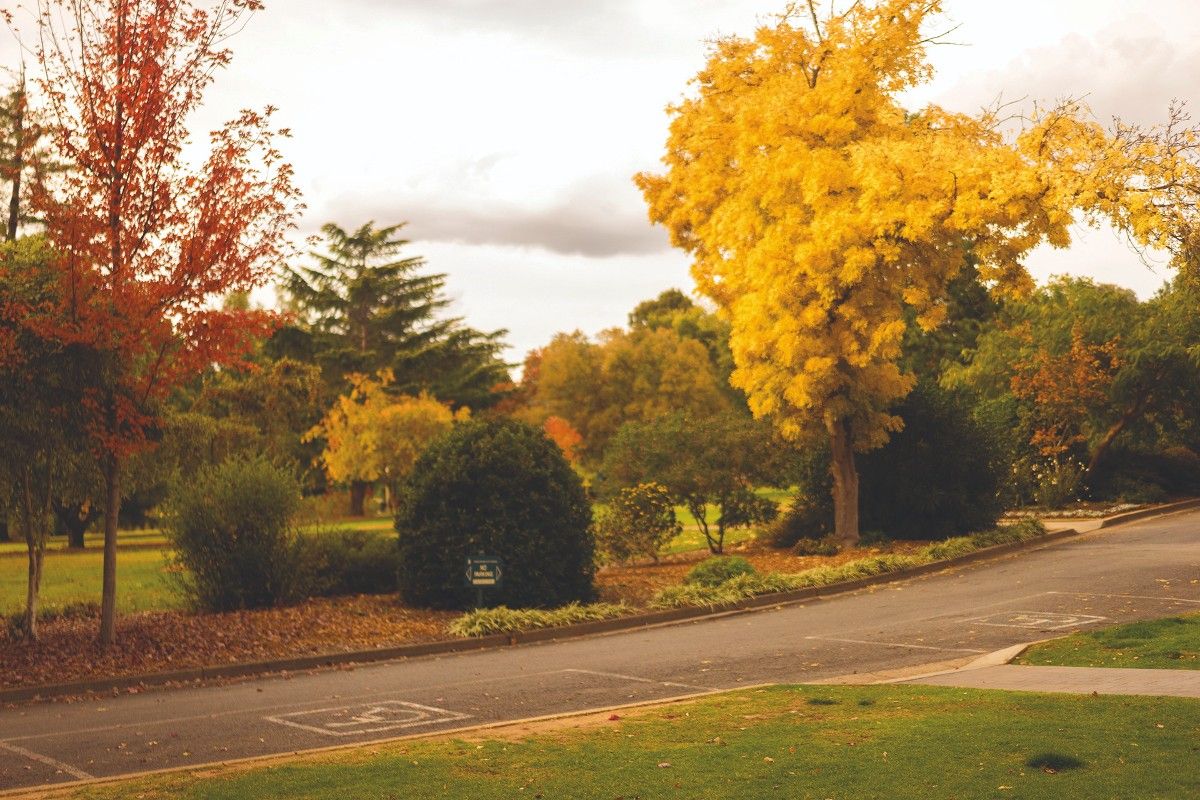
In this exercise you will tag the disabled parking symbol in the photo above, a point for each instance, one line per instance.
(356, 720)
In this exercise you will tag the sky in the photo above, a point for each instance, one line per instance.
(505, 133)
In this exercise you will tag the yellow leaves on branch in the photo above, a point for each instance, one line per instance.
(371, 435)
(818, 210)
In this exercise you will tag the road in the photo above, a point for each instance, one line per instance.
(1138, 571)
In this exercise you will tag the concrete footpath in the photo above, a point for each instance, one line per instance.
(1074, 680)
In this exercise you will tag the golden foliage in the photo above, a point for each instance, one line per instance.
(817, 209)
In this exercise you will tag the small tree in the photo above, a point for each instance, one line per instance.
(371, 435)
(145, 240)
(639, 521)
(715, 461)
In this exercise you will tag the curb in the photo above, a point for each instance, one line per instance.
(446, 647)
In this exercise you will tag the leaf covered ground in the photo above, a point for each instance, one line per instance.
(158, 641)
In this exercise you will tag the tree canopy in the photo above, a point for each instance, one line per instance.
(819, 211)
(362, 307)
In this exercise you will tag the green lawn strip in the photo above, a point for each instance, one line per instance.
(142, 537)
(1171, 643)
(74, 577)
(795, 742)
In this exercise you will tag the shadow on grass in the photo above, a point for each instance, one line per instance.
(1054, 762)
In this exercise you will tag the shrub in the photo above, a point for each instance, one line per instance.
(816, 547)
(940, 476)
(339, 562)
(1057, 482)
(484, 621)
(718, 570)
(1140, 476)
(231, 528)
(640, 521)
(495, 488)
(807, 519)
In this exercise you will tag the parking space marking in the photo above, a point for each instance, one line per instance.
(355, 720)
(897, 644)
(1040, 620)
(1130, 596)
(48, 761)
(636, 679)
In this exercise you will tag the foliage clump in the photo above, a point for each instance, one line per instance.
(231, 527)
(495, 488)
(485, 621)
(715, 571)
(639, 522)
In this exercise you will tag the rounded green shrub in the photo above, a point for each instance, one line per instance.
(639, 522)
(718, 569)
(230, 526)
(496, 488)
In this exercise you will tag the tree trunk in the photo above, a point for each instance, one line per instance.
(14, 201)
(358, 497)
(1111, 435)
(845, 483)
(112, 508)
(76, 521)
(5, 536)
(33, 526)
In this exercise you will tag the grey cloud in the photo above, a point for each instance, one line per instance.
(1133, 77)
(599, 217)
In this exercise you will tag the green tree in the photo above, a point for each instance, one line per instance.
(1145, 358)
(42, 389)
(363, 307)
(675, 310)
(639, 374)
(702, 461)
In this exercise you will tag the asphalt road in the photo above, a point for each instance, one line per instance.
(1139, 571)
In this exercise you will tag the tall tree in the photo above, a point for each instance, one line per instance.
(363, 307)
(24, 162)
(819, 211)
(146, 241)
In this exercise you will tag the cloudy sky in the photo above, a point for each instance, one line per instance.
(505, 132)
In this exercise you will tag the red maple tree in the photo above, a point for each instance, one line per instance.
(145, 240)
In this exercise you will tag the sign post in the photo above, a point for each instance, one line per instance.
(483, 573)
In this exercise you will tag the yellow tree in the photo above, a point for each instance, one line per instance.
(817, 208)
(371, 435)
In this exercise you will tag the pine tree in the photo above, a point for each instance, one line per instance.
(363, 306)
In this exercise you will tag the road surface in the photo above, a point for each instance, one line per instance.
(1138, 571)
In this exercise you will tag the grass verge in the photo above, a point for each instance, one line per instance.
(484, 621)
(796, 742)
(1171, 643)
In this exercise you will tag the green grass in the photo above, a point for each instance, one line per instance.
(135, 538)
(1171, 643)
(75, 577)
(794, 742)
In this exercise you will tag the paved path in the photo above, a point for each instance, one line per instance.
(1075, 680)
(1140, 571)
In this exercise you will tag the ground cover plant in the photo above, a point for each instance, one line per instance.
(784, 741)
(1170, 643)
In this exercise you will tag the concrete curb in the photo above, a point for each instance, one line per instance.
(653, 618)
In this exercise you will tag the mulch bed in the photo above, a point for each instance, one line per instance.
(170, 640)
(635, 585)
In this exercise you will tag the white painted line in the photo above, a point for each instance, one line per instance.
(636, 679)
(272, 707)
(1131, 596)
(50, 762)
(356, 720)
(897, 644)
(1040, 620)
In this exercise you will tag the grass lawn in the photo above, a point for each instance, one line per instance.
(74, 577)
(794, 742)
(142, 537)
(1171, 643)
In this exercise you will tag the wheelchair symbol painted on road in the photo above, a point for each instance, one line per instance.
(1041, 620)
(386, 715)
